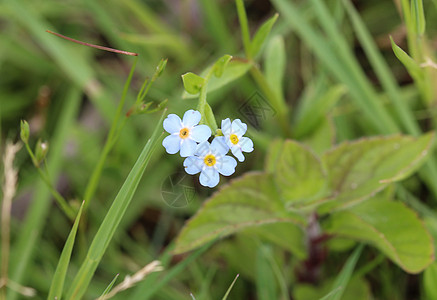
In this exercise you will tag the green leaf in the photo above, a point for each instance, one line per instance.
(288, 236)
(342, 280)
(57, 285)
(359, 169)
(297, 172)
(389, 226)
(249, 201)
(192, 83)
(230, 287)
(410, 64)
(429, 280)
(418, 16)
(244, 26)
(274, 64)
(261, 35)
(220, 65)
(233, 71)
(108, 288)
(112, 219)
(209, 119)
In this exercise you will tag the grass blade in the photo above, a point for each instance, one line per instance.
(108, 288)
(244, 25)
(345, 275)
(113, 218)
(25, 246)
(230, 288)
(61, 270)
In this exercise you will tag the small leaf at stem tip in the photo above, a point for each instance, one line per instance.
(192, 83)
(160, 68)
(409, 63)
(221, 64)
(261, 35)
(24, 131)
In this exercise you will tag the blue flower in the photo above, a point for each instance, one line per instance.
(210, 160)
(233, 133)
(184, 135)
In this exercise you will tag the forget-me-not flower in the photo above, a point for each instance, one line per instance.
(233, 133)
(210, 160)
(184, 134)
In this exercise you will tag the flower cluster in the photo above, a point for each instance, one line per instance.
(208, 159)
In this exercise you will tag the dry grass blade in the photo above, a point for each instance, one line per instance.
(130, 281)
(9, 189)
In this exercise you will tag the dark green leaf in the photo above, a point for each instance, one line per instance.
(389, 226)
(360, 169)
(251, 200)
(298, 173)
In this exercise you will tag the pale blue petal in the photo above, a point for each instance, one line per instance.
(172, 144)
(226, 127)
(193, 165)
(236, 151)
(226, 166)
(200, 133)
(239, 128)
(203, 149)
(219, 145)
(209, 177)
(246, 144)
(191, 118)
(172, 123)
(188, 147)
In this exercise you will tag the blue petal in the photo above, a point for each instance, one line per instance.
(236, 150)
(209, 177)
(188, 147)
(246, 144)
(226, 166)
(226, 127)
(219, 145)
(200, 133)
(238, 127)
(172, 123)
(191, 118)
(203, 148)
(172, 144)
(193, 165)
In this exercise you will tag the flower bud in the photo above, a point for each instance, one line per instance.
(41, 150)
(24, 132)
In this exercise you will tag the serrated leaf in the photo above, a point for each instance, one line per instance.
(251, 200)
(298, 173)
(261, 35)
(220, 65)
(233, 71)
(192, 83)
(389, 226)
(359, 169)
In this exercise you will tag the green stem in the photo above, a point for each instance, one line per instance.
(207, 116)
(244, 25)
(95, 176)
(279, 105)
(58, 197)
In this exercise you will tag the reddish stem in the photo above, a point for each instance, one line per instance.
(93, 46)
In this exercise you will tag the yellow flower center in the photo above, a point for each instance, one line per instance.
(209, 160)
(184, 133)
(234, 139)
